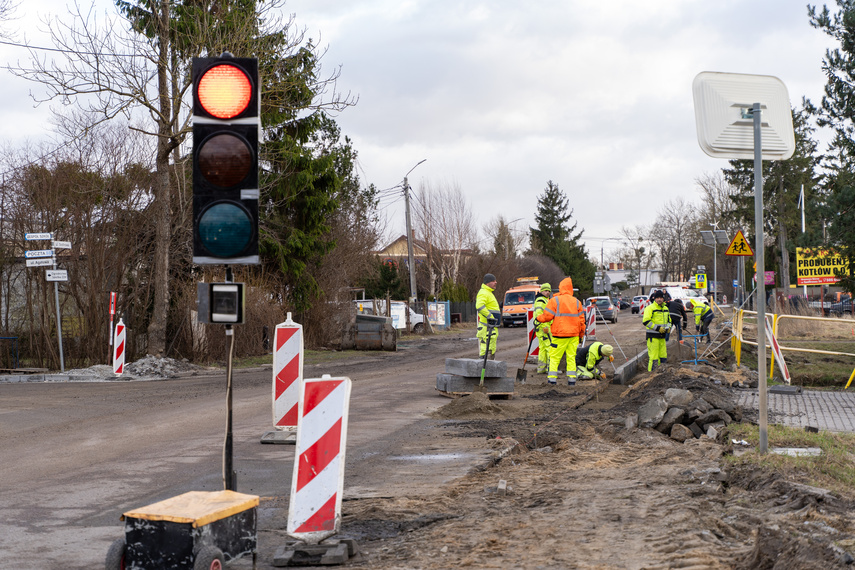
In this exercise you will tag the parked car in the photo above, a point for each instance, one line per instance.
(638, 303)
(622, 304)
(839, 309)
(606, 310)
(399, 310)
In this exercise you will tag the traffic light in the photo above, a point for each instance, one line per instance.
(225, 160)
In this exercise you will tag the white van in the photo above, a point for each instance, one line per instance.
(399, 313)
(682, 294)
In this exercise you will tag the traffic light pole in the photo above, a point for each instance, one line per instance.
(229, 475)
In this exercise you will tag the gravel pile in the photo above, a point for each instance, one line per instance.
(147, 367)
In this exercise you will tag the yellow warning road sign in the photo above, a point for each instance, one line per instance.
(739, 246)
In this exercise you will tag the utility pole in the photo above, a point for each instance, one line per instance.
(410, 261)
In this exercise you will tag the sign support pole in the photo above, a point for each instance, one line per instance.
(58, 321)
(761, 281)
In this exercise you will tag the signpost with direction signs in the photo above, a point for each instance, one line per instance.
(47, 258)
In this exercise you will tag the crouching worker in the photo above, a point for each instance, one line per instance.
(657, 321)
(703, 317)
(588, 357)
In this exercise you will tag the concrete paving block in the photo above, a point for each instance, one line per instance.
(472, 367)
(301, 554)
(454, 384)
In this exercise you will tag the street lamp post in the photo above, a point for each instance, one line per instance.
(410, 261)
(711, 238)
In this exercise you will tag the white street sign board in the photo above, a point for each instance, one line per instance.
(37, 236)
(38, 253)
(61, 245)
(57, 274)
(39, 262)
(723, 104)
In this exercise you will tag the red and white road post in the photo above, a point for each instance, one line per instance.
(591, 323)
(119, 349)
(529, 325)
(314, 512)
(112, 313)
(287, 374)
(779, 354)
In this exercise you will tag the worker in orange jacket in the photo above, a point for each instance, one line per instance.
(567, 316)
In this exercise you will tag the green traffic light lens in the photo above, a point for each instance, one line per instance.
(225, 159)
(225, 229)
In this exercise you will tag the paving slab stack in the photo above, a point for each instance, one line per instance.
(463, 375)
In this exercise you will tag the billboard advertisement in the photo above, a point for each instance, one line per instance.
(817, 266)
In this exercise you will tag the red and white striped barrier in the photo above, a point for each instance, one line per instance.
(119, 349)
(314, 512)
(534, 344)
(779, 354)
(287, 374)
(591, 318)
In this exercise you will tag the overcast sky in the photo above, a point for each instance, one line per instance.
(502, 96)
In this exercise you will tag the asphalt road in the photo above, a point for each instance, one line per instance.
(74, 456)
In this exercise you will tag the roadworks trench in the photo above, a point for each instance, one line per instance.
(583, 491)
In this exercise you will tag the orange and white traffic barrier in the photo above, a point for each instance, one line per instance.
(119, 349)
(314, 512)
(532, 333)
(287, 374)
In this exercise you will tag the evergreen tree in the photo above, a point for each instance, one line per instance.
(782, 183)
(837, 112)
(554, 237)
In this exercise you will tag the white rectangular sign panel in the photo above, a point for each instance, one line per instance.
(61, 245)
(38, 253)
(39, 262)
(36, 236)
(57, 274)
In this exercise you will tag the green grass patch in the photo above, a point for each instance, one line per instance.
(834, 469)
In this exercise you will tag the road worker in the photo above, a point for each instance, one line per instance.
(657, 321)
(703, 317)
(567, 316)
(589, 356)
(679, 320)
(489, 317)
(542, 331)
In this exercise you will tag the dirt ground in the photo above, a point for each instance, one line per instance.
(582, 491)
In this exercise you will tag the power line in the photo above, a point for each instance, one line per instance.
(67, 51)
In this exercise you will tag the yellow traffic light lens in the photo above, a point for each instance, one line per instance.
(225, 160)
(224, 91)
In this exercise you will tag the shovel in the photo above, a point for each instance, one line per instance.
(486, 353)
(521, 372)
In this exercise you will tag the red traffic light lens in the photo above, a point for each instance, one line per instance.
(224, 91)
(225, 160)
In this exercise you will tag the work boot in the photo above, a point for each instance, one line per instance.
(491, 355)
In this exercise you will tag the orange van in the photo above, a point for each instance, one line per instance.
(519, 300)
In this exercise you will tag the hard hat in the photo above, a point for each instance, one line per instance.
(607, 350)
(546, 287)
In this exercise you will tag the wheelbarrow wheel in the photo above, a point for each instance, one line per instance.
(209, 558)
(116, 555)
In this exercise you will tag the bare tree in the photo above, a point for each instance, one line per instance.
(443, 218)
(140, 63)
(675, 236)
